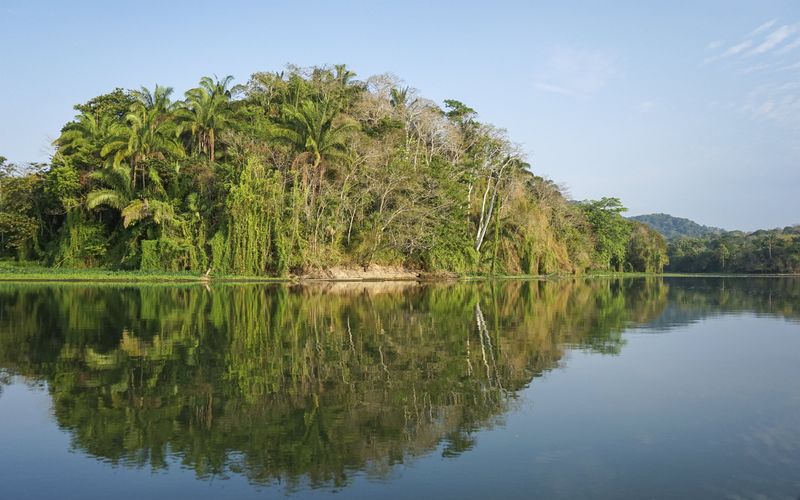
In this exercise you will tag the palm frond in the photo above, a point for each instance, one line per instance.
(106, 197)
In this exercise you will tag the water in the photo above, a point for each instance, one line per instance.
(634, 388)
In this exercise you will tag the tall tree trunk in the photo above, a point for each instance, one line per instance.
(486, 215)
(211, 144)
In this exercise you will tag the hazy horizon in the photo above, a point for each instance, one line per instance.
(690, 112)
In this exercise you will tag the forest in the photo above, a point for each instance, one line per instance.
(765, 251)
(301, 170)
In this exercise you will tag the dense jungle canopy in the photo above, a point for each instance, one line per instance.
(298, 170)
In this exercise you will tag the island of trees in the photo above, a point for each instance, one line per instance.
(299, 171)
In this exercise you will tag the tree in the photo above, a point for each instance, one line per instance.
(149, 133)
(117, 192)
(114, 105)
(647, 250)
(20, 220)
(314, 129)
(81, 141)
(496, 157)
(611, 231)
(205, 112)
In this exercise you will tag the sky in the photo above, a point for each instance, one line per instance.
(687, 108)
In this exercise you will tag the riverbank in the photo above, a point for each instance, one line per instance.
(12, 272)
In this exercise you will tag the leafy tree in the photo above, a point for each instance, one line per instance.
(114, 105)
(19, 214)
(611, 231)
(647, 250)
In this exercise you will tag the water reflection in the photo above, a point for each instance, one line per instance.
(306, 385)
(694, 299)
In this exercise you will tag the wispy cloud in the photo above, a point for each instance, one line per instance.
(738, 48)
(576, 73)
(789, 46)
(761, 40)
(774, 39)
(769, 86)
(762, 28)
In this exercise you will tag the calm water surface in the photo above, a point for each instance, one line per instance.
(635, 388)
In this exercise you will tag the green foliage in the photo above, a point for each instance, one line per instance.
(647, 250)
(220, 253)
(82, 243)
(151, 260)
(765, 251)
(255, 228)
(114, 105)
(205, 112)
(611, 231)
(16, 232)
(63, 184)
(295, 172)
(20, 211)
(169, 254)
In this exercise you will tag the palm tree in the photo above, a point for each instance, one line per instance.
(159, 100)
(342, 74)
(398, 98)
(161, 213)
(149, 133)
(206, 111)
(85, 137)
(312, 127)
(118, 194)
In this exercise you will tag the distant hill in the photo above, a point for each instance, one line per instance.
(676, 227)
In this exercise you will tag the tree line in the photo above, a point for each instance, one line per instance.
(298, 170)
(763, 251)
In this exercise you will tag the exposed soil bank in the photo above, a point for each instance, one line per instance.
(373, 272)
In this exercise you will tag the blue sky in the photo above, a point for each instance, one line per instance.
(687, 108)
